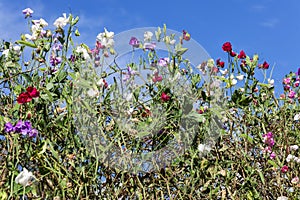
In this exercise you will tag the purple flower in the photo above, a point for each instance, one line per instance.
(33, 133)
(72, 58)
(55, 60)
(134, 42)
(298, 71)
(129, 73)
(268, 139)
(8, 127)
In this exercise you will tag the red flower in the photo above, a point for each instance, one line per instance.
(232, 54)
(265, 65)
(227, 47)
(284, 169)
(164, 97)
(220, 63)
(242, 55)
(33, 92)
(24, 97)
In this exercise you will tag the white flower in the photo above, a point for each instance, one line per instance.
(84, 52)
(240, 77)
(282, 198)
(203, 147)
(17, 49)
(106, 38)
(148, 36)
(40, 23)
(242, 89)
(25, 177)
(289, 157)
(101, 82)
(92, 92)
(61, 21)
(294, 147)
(224, 72)
(233, 82)
(5, 52)
(297, 117)
(271, 81)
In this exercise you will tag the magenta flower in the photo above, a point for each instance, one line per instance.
(291, 94)
(134, 42)
(165, 97)
(296, 84)
(242, 55)
(286, 81)
(157, 78)
(268, 139)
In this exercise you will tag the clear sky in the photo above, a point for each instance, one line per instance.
(270, 28)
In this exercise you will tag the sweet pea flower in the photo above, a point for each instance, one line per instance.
(291, 94)
(282, 198)
(148, 36)
(271, 81)
(296, 84)
(295, 180)
(55, 60)
(265, 65)
(294, 147)
(25, 177)
(134, 42)
(240, 77)
(24, 97)
(232, 54)
(272, 155)
(242, 55)
(83, 51)
(27, 12)
(149, 46)
(203, 147)
(186, 35)
(289, 158)
(163, 62)
(220, 63)
(92, 92)
(224, 72)
(227, 47)
(286, 81)
(284, 169)
(61, 22)
(8, 127)
(165, 97)
(106, 38)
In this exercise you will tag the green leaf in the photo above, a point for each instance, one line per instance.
(261, 177)
(181, 51)
(49, 86)
(26, 43)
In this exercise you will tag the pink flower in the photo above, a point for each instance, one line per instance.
(284, 169)
(295, 180)
(163, 62)
(272, 155)
(164, 97)
(134, 42)
(286, 81)
(157, 78)
(296, 84)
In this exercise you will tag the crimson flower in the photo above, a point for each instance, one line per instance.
(265, 65)
(242, 55)
(232, 54)
(227, 47)
(220, 63)
(164, 97)
(24, 97)
(33, 92)
(284, 169)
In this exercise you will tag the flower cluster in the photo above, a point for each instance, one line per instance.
(268, 139)
(25, 97)
(291, 85)
(21, 127)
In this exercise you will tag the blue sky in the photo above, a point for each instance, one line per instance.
(270, 28)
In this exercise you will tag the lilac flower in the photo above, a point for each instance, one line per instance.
(129, 73)
(272, 155)
(134, 42)
(8, 127)
(163, 62)
(57, 47)
(27, 12)
(55, 60)
(149, 46)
